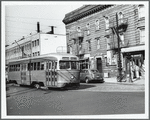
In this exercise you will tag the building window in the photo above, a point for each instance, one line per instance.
(120, 17)
(78, 29)
(106, 22)
(32, 43)
(142, 36)
(37, 41)
(141, 11)
(108, 42)
(98, 43)
(97, 25)
(88, 28)
(89, 45)
(122, 38)
(29, 45)
(35, 54)
(38, 53)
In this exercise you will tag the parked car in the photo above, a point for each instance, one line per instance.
(89, 75)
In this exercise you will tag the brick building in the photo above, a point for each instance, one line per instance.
(91, 35)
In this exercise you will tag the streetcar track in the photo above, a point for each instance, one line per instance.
(21, 92)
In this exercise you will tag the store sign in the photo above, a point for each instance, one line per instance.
(139, 55)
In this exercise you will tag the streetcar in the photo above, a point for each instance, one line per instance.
(49, 70)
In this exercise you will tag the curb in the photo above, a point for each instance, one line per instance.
(135, 82)
(124, 83)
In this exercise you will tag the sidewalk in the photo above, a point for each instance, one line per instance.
(140, 81)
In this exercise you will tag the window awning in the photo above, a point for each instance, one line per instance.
(133, 49)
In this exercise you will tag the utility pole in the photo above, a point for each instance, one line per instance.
(119, 50)
(21, 49)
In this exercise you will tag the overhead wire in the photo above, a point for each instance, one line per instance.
(32, 18)
(18, 27)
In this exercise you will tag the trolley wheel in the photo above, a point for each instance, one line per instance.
(37, 85)
(86, 80)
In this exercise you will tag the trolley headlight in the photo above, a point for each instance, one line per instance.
(72, 77)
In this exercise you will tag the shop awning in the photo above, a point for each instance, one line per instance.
(133, 49)
(86, 58)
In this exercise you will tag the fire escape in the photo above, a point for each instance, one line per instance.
(112, 33)
(78, 39)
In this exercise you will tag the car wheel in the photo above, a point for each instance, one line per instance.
(87, 80)
(37, 86)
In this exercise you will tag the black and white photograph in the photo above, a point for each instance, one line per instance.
(74, 60)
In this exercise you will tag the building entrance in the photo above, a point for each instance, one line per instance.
(99, 65)
(134, 65)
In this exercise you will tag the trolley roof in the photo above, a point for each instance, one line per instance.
(51, 56)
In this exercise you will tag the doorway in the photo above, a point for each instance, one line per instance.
(99, 65)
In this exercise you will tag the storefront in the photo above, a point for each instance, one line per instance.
(134, 62)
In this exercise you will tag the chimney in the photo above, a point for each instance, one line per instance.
(38, 27)
(52, 30)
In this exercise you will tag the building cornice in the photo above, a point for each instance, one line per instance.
(83, 12)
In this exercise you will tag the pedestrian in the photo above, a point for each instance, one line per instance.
(137, 71)
(131, 72)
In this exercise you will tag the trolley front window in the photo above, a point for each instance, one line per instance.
(68, 64)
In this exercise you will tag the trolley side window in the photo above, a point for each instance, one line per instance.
(18, 67)
(14, 67)
(31, 66)
(24, 67)
(48, 65)
(55, 65)
(35, 66)
(38, 65)
(42, 65)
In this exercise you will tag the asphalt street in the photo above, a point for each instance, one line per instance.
(89, 99)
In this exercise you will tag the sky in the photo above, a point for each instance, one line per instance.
(21, 18)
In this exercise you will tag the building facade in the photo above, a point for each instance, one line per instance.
(35, 45)
(94, 31)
